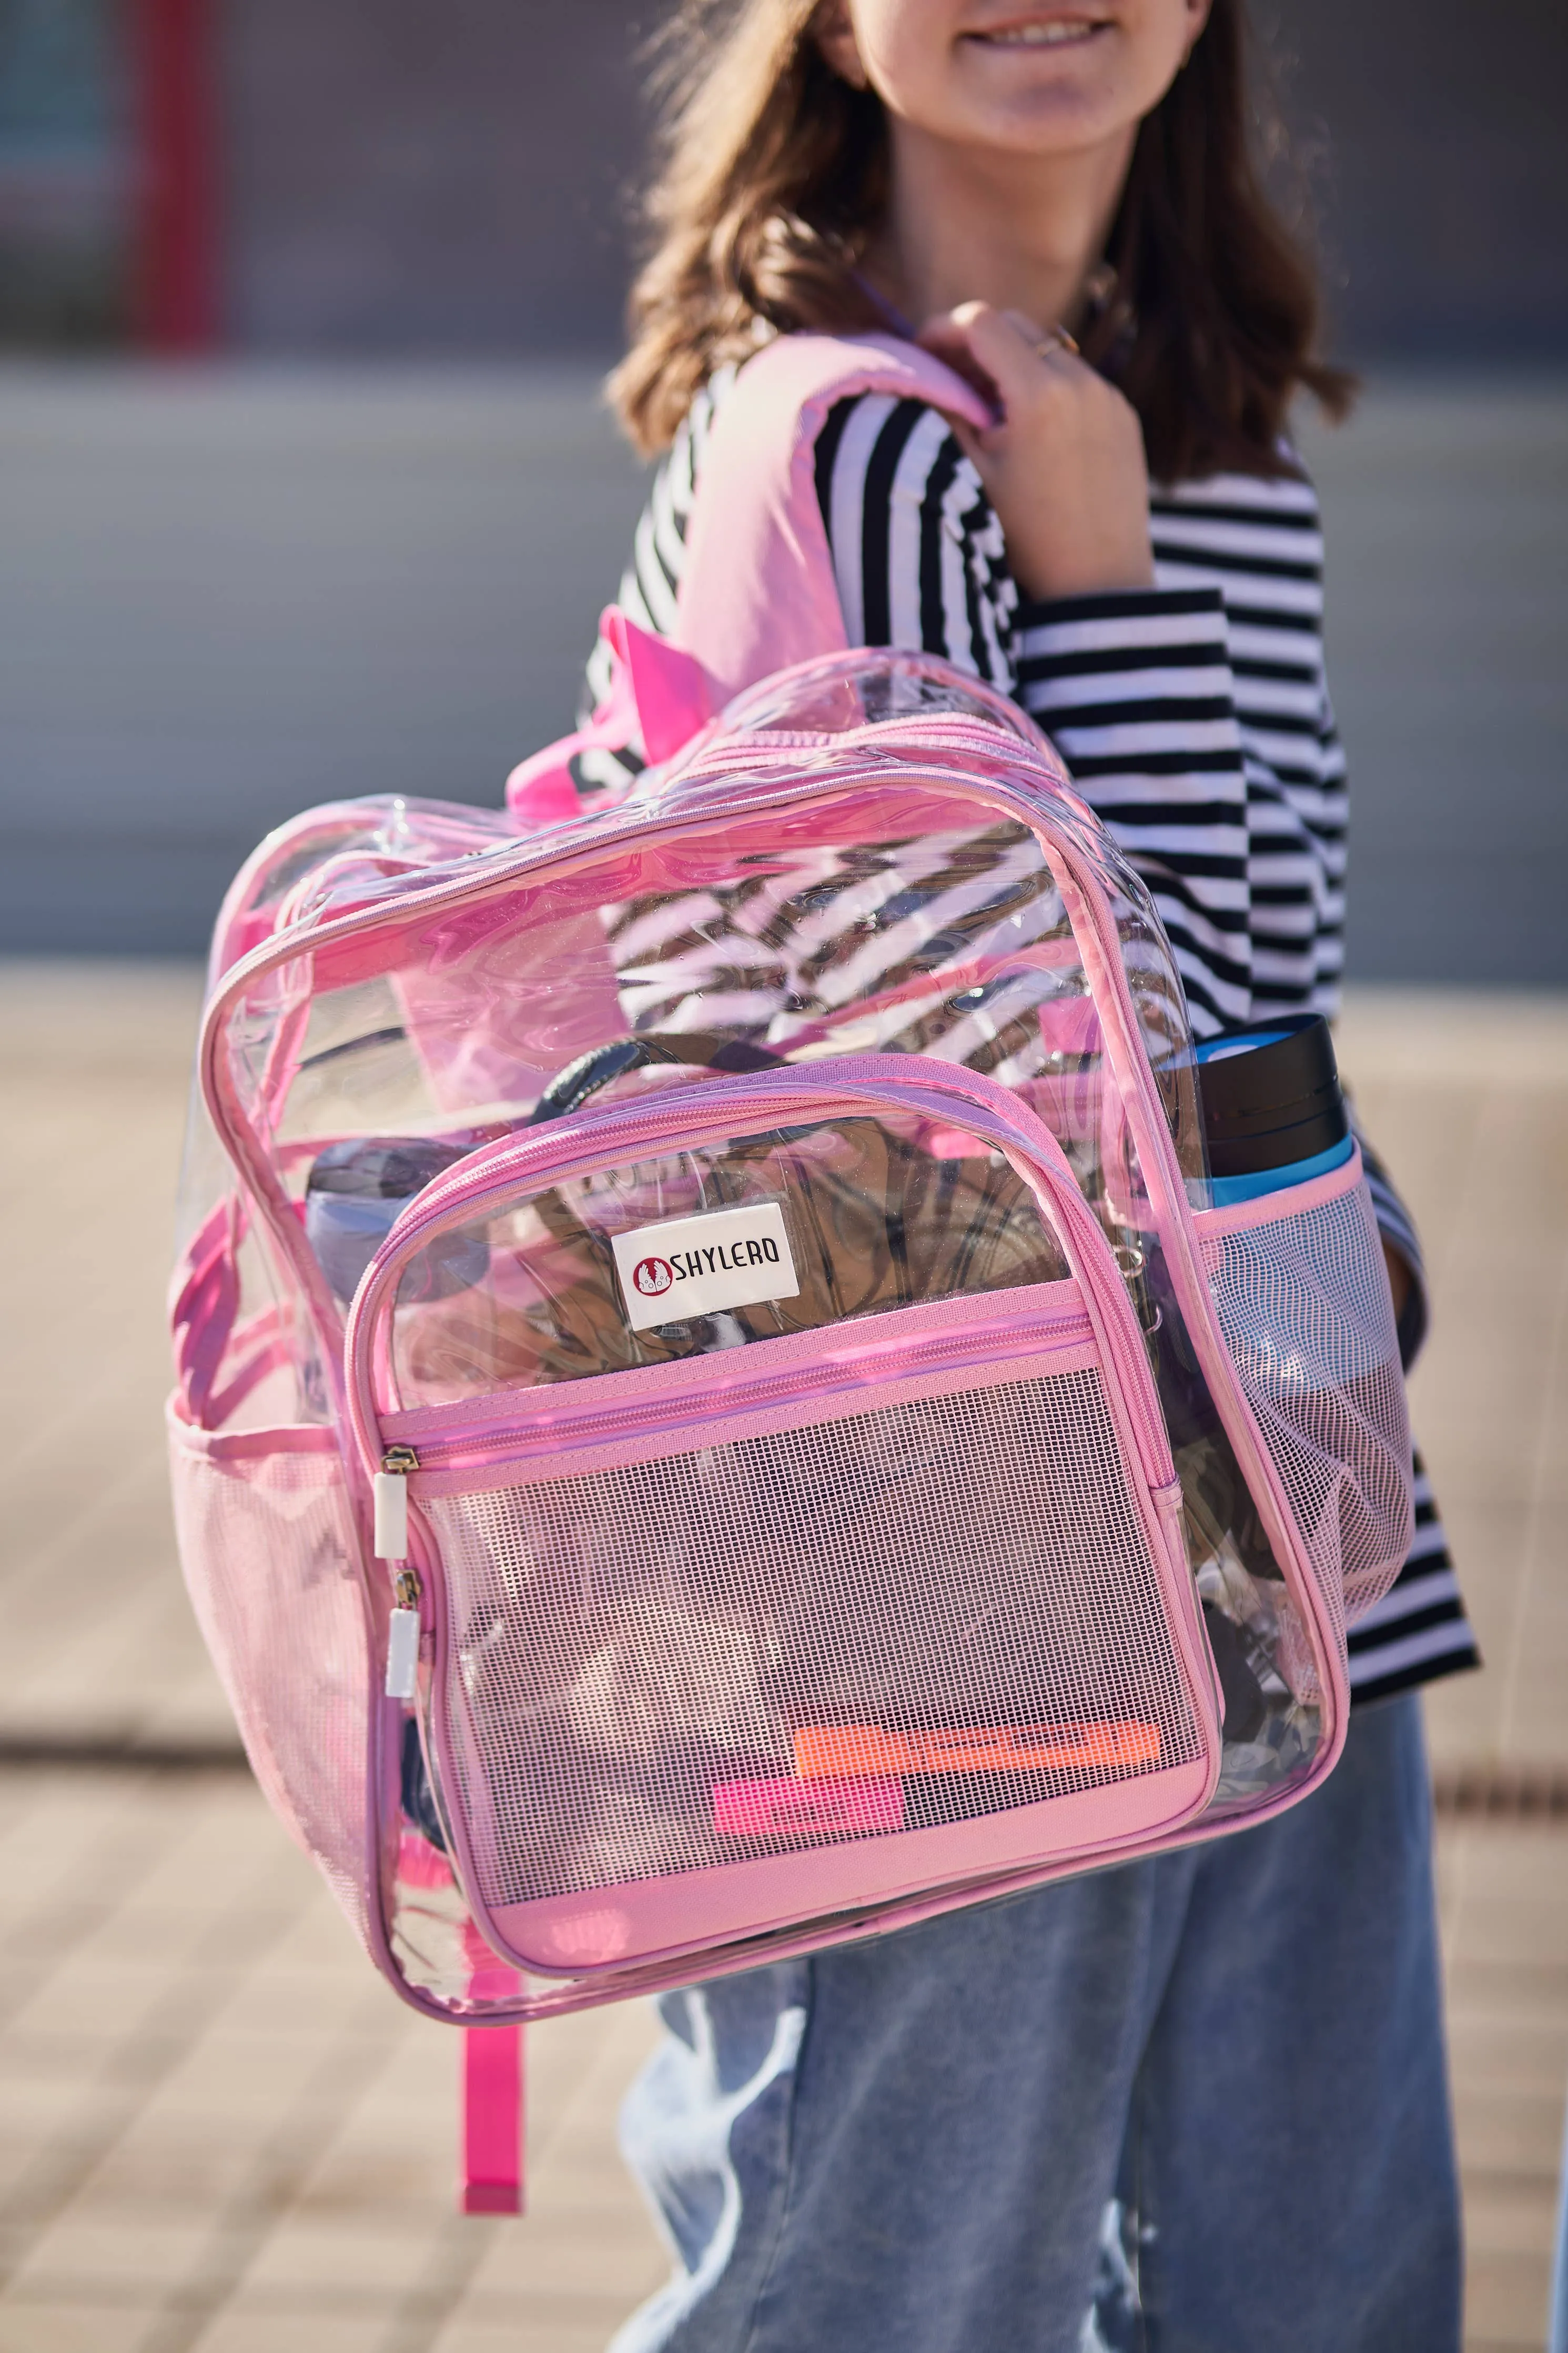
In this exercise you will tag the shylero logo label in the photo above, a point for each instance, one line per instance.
(703, 1265)
(653, 1275)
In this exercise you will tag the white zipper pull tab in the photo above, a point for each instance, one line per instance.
(402, 1638)
(403, 1629)
(390, 1490)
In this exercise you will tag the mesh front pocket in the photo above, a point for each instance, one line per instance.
(929, 1612)
(1304, 1305)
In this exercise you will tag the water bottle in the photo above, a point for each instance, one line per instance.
(1274, 1116)
(354, 1193)
(1273, 1112)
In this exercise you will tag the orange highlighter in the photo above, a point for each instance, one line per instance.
(832, 1752)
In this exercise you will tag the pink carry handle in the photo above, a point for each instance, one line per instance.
(758, 593)
(758, 590)
(658, 697)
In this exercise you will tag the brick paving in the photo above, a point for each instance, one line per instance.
(218, 2129)
(219, 2133)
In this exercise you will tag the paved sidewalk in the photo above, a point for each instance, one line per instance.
(218, 2132)
(221, 2130)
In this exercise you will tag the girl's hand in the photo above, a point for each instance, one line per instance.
(1063, 466)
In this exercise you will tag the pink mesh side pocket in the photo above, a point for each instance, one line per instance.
(1303, 1301)
(269, 1558)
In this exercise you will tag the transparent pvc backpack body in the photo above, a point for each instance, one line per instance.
(827, 1598)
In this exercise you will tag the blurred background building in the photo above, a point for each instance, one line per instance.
(388, 177)
(358, 539)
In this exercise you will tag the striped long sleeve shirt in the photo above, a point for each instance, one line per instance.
(1196, 720)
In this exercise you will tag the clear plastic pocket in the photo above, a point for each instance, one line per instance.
(740, 1240)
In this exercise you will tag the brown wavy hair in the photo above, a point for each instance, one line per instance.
(774, 172)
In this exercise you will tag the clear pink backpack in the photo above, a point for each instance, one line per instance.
(715, 1415)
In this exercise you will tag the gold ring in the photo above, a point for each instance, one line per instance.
(1059, 340)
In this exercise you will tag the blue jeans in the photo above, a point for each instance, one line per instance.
(1196, 2105)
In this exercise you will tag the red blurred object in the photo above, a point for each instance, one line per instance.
(175, 264)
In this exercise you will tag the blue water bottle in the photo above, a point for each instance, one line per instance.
(1273, 1112)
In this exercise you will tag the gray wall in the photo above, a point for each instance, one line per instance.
(428, 176)
(1444, 186)
(1446, 506)
(224, 598)
(411, 177)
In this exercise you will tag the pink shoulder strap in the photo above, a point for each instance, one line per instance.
(758, 591)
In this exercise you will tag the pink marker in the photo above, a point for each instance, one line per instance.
(782, 1808)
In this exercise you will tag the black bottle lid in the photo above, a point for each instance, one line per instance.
(1270, 1096)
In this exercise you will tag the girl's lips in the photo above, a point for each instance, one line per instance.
(1050, 33)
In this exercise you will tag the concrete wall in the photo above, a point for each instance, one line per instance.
(1445, 186)
(411, 177)
(222, 599)
(428, 176)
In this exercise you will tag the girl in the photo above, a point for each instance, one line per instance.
(1195, 2104)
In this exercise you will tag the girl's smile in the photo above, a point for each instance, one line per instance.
(1011, 78)
(1036, 32)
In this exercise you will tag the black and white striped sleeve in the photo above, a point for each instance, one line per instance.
(1419, 1630)
(918, 554)
(1259, 540)
(1193, 715)
(1136, 692)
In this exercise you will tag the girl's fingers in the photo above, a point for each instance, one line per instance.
(946, 336)
(1031, 330)
(998, 351)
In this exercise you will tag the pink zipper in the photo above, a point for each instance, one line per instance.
(563, 1428)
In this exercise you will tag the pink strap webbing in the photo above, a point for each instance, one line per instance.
(493, 2173)
(657, 693)
(758, 590)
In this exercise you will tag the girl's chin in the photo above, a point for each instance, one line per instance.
(1041, 123)
(1052, 81)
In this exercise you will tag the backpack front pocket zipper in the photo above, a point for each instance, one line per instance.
(550, 1425)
